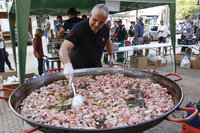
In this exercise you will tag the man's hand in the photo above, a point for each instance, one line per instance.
(68, 72)
(111, 61)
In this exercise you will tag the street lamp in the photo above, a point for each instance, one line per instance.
(198, 2)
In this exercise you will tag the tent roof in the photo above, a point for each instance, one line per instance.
(60, 7)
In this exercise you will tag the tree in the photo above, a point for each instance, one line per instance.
(187, 7)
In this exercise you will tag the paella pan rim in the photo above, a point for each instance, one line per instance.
(98, 130)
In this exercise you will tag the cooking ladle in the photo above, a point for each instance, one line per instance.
(77, 100)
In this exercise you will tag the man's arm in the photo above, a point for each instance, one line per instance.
(109, 47)
(110, 52)
(61, 32)
(65, 50)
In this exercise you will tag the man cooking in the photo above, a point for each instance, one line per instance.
(85, 42)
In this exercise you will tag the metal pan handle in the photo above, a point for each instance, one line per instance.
(181, 120)
(173, 74)
(32, 130)
(6, 89)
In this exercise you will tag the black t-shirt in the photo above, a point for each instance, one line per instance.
(88, 47)
(69, 23)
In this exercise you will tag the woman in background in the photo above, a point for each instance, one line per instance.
(2, 58)
(38, 50)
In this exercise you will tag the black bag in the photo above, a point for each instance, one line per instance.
(192, 41)
(184, 41)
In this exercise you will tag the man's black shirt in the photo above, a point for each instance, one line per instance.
(69, 23)
(88, 47)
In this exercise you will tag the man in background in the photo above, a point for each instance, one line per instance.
(187, 30)
(121, 34)
(162, 35)
(113, 29)
(69, 23)
(139, 31)
(58, 26)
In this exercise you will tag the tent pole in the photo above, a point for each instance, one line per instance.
(173, 32)
(11, 17)
(22, 16)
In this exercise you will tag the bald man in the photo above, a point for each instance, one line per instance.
(86, 42)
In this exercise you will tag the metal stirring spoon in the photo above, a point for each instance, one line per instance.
(77, 100)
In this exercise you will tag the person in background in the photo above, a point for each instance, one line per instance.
(139, 31)
(2, 53)
(198, 33)
(6, 54)
(162, 35)
(121, 33)
(58, 26)
(48, 33)
(84, 17)
(86, 41)
(197, 25)
(187, 30)
(131, 33)
(69, 23)
(38, 50)
(108, 23)
(113, 29)
(146, 38)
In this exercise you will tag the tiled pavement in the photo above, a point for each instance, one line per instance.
(9, 123)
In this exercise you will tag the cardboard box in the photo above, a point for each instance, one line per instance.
(139, 62)
(8, 74)
(159, 64)
(179, 58)
(195, 61)
(12, 85)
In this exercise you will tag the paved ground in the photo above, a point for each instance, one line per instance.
(9, 123)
